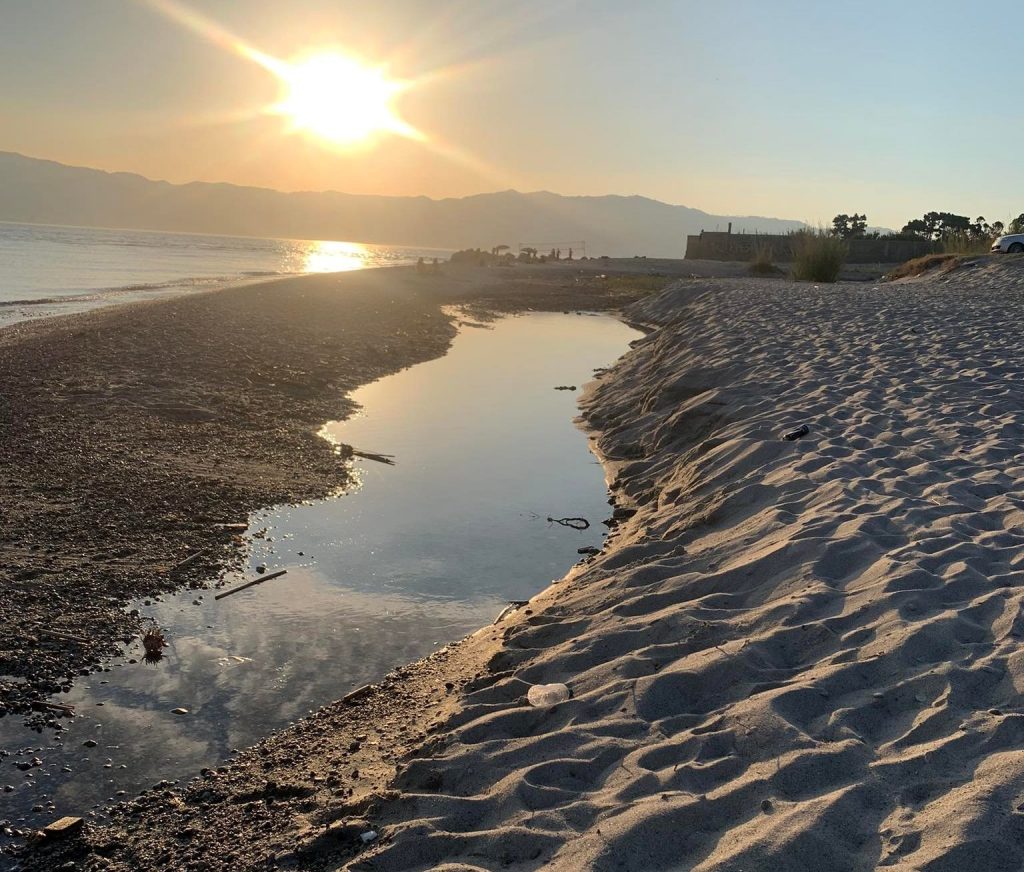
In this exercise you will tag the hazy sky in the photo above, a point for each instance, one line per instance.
(787, 108)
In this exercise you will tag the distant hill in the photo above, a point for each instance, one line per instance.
(45, 192)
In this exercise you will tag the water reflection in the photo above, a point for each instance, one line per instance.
(425, 552)
(328, 256)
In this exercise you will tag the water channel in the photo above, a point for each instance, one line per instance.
(418, 555)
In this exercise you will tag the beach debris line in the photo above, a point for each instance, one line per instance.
(565, 387)
(259, 580)
(544, 695)
(575, 523)
(798, 433)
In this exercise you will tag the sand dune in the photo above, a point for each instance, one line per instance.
(795, 655)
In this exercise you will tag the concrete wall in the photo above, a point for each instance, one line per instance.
(741, 246)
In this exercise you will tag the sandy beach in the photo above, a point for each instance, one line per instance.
(790, 654)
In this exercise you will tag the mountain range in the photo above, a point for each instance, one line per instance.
(45, 192)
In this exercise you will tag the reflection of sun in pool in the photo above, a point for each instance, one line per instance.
(327, 256)
(340, 100)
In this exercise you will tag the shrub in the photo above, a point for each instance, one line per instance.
(961, 242)
(762, 264)
(920, 265)
(818, 256)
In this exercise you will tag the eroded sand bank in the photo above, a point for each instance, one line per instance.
(796, 655)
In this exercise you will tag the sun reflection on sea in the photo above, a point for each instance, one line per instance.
(329, 256)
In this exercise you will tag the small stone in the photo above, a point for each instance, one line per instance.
(65, 826)
(766, 805)
(89, 743)
(179, 711)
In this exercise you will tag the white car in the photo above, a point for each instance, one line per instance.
(1014, 243)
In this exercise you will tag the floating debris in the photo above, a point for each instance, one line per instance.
(575, 523)
(154, 642)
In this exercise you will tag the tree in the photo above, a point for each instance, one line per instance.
(849, 226)
(934, 225)
(1017, 224)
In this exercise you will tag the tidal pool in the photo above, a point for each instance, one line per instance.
(418, 555)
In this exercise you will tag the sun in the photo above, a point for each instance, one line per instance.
(338, 99)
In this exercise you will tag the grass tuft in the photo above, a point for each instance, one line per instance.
(818, 256)
(762, 264)
(920, 265)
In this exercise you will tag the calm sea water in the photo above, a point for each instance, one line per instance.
(421, 553)
(46, 269)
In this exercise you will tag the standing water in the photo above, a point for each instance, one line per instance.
(420, 554)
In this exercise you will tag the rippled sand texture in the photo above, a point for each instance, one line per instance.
(796, 655)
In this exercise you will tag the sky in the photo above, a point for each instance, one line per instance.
(788, 108)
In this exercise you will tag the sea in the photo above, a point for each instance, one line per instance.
(48, 269)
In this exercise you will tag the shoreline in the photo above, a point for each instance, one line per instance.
(789, 653)
(164, 418)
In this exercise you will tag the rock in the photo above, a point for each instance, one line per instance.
(179, 711)
(89, 743)
(65, 826)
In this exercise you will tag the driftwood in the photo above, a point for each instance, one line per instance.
(259, 580)
(192, 558)
(358, 693)
(43, 706)
(57, 634)
(380, 458)
(514, 605)
(242, 526)
(575, 523)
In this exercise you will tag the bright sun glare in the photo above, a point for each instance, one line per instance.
(340, 100)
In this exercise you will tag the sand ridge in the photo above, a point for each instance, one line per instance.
(797, 655)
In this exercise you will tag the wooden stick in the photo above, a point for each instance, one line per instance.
(190, 559)
(380, 458)
(259, 580)
(42, 706)
(59, 635)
